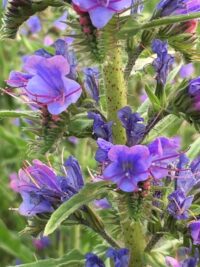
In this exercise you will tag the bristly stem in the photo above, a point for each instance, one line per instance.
(153, 241)
(132, 57)
(115, 87)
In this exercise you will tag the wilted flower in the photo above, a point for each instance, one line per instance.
(179, 204)
(194, 228)
(163, 62)
(93, 260)
(102, 11)
(133, 124)
(42, 190)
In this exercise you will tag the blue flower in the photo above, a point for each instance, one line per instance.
(102, 151)
(101, 128)
(179, 204)
(34, 24)
(93, 260)
(42, 190)
(133, 124)
(128, 167)
(163, 62)
(91, 82)
(119, 256)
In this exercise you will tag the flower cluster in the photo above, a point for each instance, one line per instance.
(127, 166)
(42, 190)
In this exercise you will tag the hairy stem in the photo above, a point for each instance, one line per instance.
(115, 89)
(132, 57)
(153, 241)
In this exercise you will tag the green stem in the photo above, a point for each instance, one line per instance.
(133, 236)
(116, 96)
(115, 91)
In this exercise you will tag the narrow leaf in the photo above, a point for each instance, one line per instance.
(70, 259)
(90, 192)
(18, 114)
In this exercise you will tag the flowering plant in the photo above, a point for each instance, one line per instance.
(103, 101)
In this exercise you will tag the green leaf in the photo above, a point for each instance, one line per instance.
(131, 28)
(90, 192)
(18, 12)
(73, 258)
(194, 150)
(11, 243)
(18, 114)
(152, 97)
(163, 126)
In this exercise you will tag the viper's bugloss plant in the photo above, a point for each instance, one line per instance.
(128, 194)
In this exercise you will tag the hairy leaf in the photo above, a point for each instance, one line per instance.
(90, 192)
(73, 258)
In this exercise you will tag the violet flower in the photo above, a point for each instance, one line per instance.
(102, 11)
(128, 167)
(137, 6)
(102, 203)
(34, 24)
(190, 262)
(174, 7)
(179, 204)
(163, 152)
(133, 124)
(92, 83)
(49, 85)
(120, 257)
(187, 70)
(102, 151)
(93, 260)
(194, 228)
(163, 62)
(42, 190)
(194, 93)
(41, 243)
(101, 128)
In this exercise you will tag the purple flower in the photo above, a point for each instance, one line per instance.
(163, 62)
(18, 79)
(4, 3)
(190, 262)
(48, 85)
(34, 24)
(101, 128)
(119, 256)
(133, 124)
(163, 152)
(93, 261)
(42, 190)
(187, 70)
(194, 93)
(102, 151)
(128, 167)
(179, 204)
(194, 228)
(92, 83)
(102, 203)
(172, 7)
(101, 11)
(60, 23)
(41, 243)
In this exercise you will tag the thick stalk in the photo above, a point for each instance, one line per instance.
(116, 95)
(134, 238)
(115, 89)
